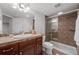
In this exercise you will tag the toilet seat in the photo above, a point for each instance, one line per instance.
(48, 45)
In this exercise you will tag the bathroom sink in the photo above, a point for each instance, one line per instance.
(22, 36)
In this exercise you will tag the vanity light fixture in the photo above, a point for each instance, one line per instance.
(27, 9)
(22, 6)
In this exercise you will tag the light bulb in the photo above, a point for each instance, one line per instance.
(22, 6)
(26, 9)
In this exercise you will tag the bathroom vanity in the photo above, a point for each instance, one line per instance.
(30, 45)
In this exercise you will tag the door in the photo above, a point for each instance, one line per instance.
(66, 28)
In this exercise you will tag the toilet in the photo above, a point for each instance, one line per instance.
(47, 47)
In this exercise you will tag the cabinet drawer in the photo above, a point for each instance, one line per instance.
(9, 49)
(25, 43)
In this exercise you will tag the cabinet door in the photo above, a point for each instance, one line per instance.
(10, 49)
(39, 46)
(28, 50)
(27, 47)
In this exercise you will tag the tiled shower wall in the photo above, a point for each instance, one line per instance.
(61, 28)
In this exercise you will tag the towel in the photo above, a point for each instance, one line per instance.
(76, 37)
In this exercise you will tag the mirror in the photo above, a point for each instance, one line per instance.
(16, 25)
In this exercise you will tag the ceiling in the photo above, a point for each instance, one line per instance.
(47, 9)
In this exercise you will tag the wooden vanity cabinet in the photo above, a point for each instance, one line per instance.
(38, 46)
(10, 49)
(31, 46)
(27, 47)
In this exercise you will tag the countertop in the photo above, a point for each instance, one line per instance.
(5, 40)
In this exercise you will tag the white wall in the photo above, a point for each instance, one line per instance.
(40, 23)
(0, 22)
(21, 25)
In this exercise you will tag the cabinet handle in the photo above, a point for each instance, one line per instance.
(20, 53)
(72, 30)
(8, 50)
(39, 45)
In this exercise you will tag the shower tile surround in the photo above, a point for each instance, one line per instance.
(54, 25)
